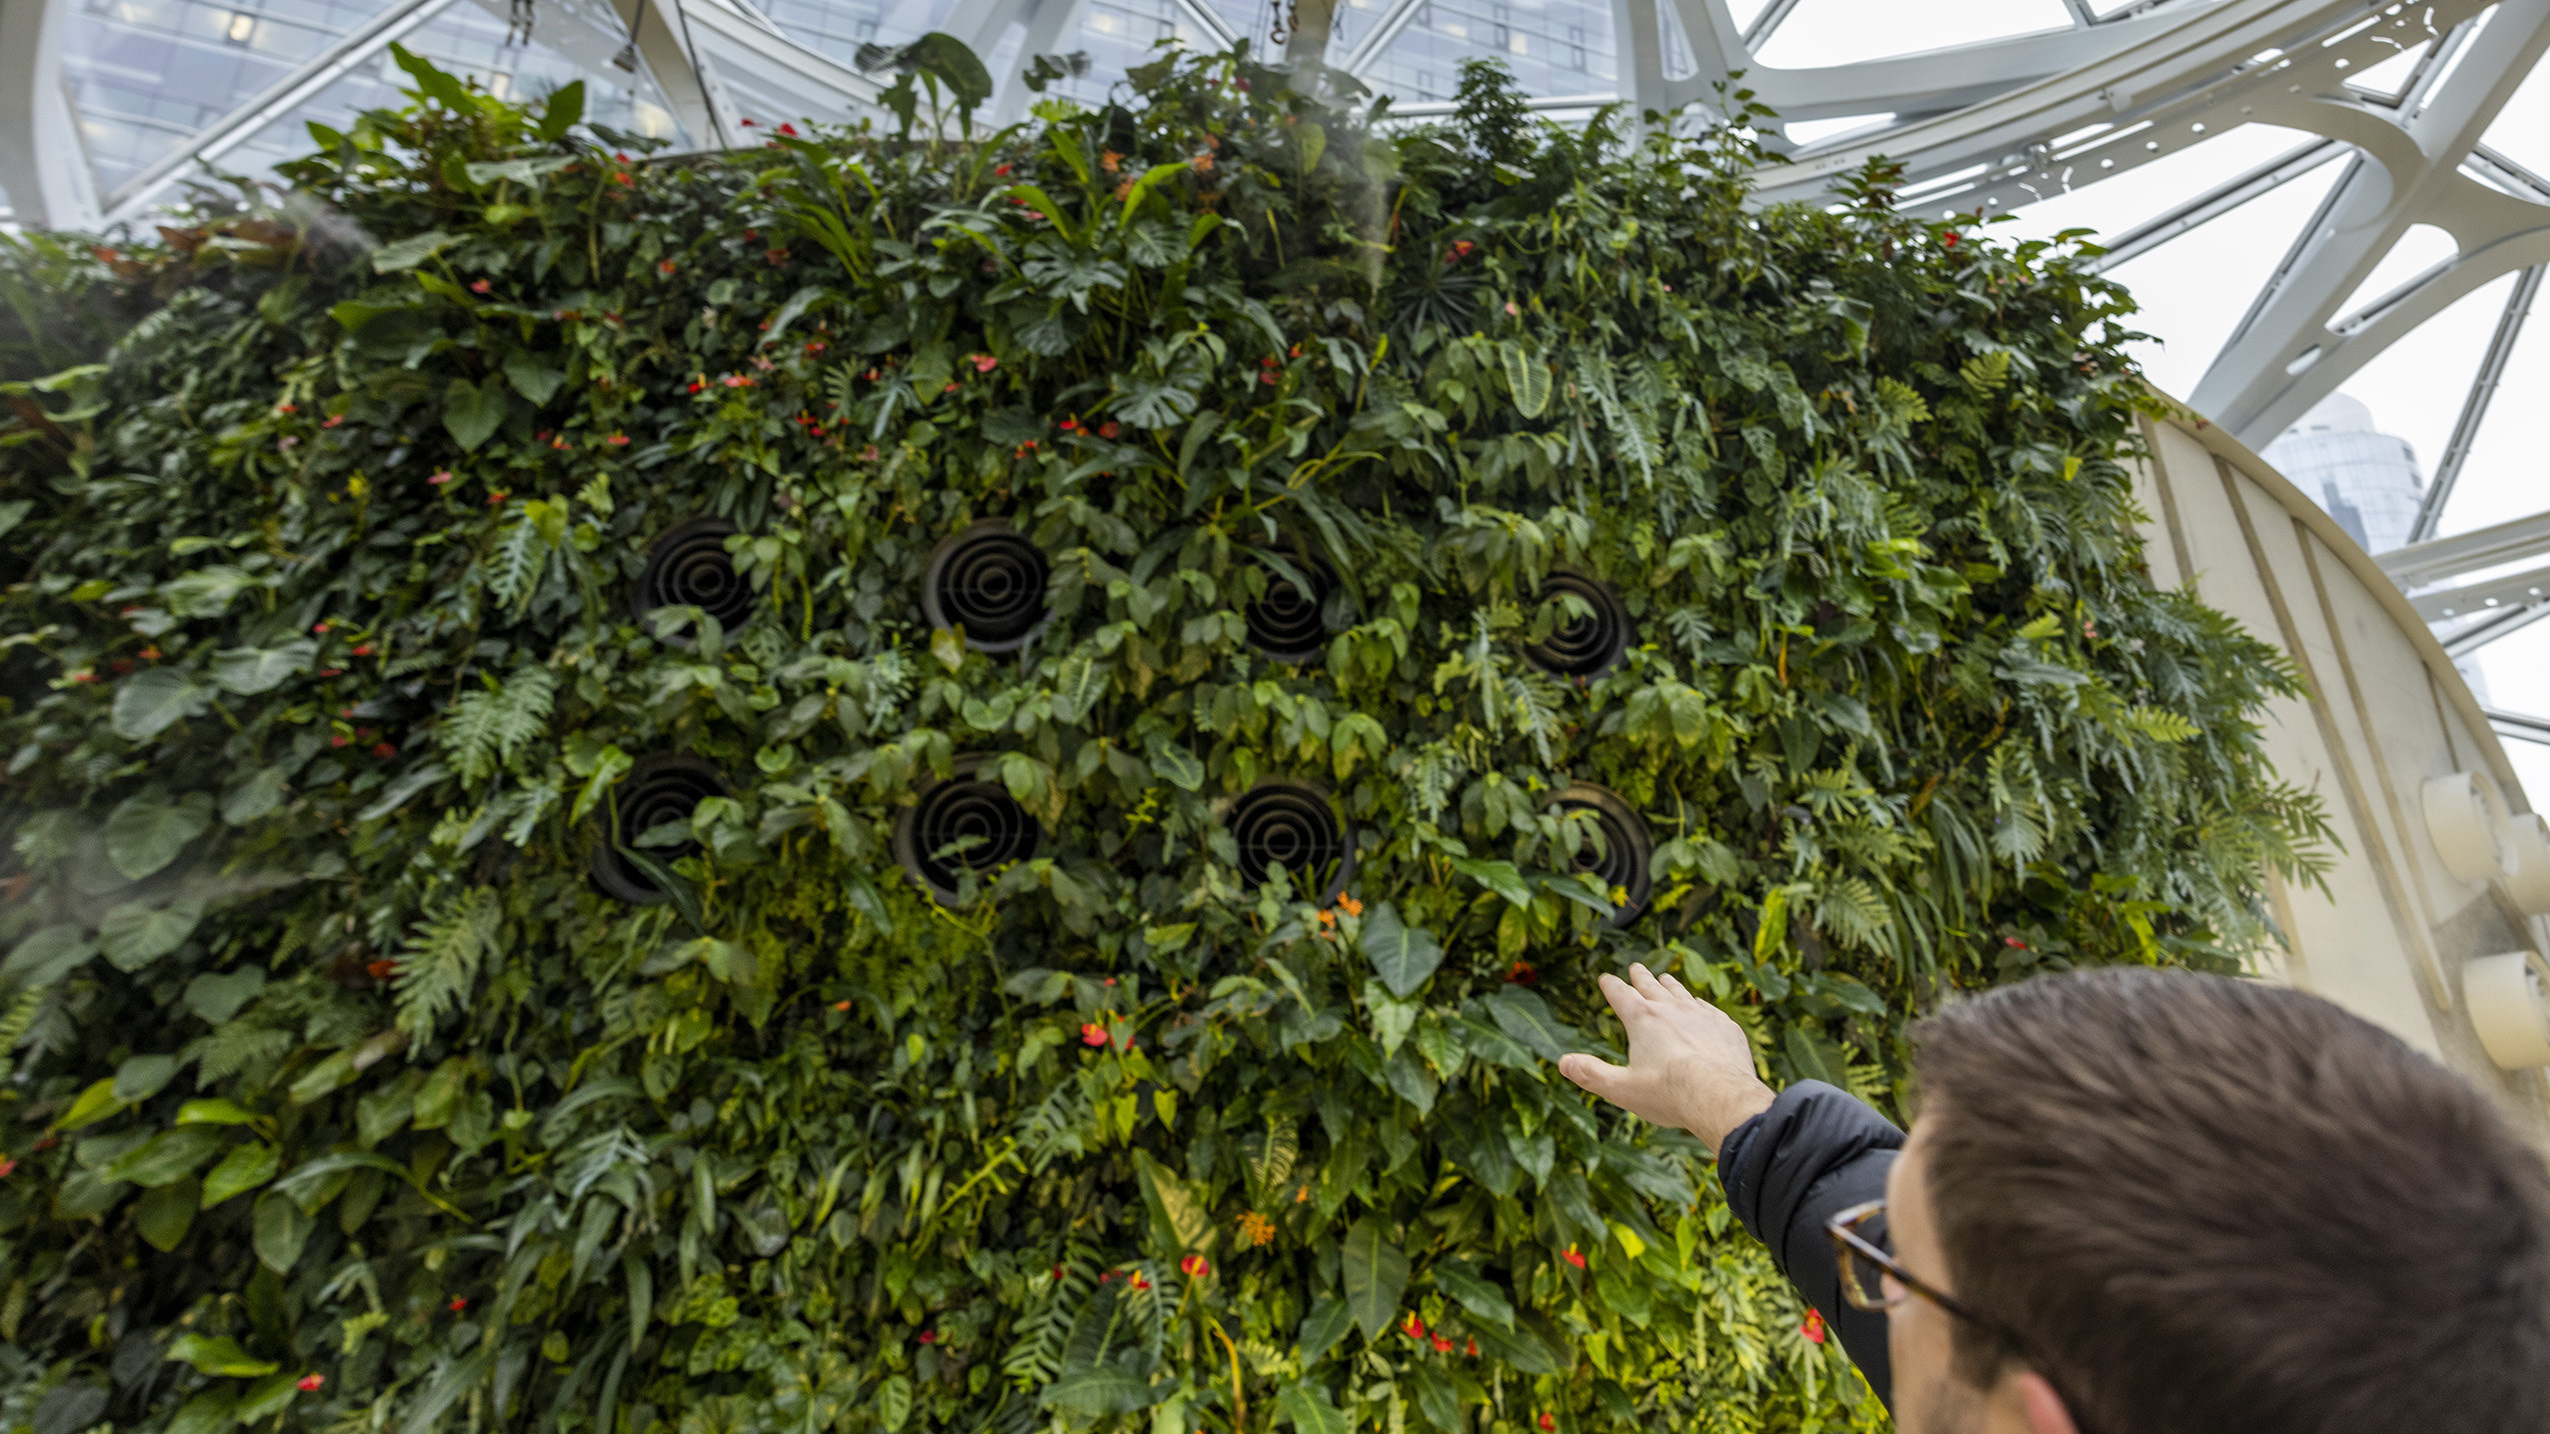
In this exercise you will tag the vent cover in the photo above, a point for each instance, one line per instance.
(1285, 623)
(1293, 824)
(990, 581)
(659, 789)
(1627, 848)
(688, 567)
(962, 824)
(1582, 647)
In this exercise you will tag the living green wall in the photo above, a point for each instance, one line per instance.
(340, 1096)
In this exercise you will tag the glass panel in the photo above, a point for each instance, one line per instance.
(1554, 47)
(1841, 32)
(2387, 78)
(1678, 63)
(469, 42)
(2195, 288)
(2501, 480)
(2418, 250)
(2411, 393)
(1119, 34)
(2521, 131)
(2116, 203)
(146, 75)
(1349, 23)
(839, 27)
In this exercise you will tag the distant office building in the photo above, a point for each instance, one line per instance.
(2367, 479)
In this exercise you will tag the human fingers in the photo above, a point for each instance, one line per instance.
(1626, 1002)
(1645, 981)
(1674, 984)
(1594, 1074)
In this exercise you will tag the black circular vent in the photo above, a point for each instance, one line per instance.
(959, 825)
(1291, 823)
(1582, 647)
(990, 581)
(1626, 850)
(688, 567)
(659, 789)
(1285, 623)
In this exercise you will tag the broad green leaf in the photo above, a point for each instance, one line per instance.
(253, 798)
(46, 956)
(268, 1397)
(1307, 1405)
(1518, 1347)
(1096, 1393)
(1175, 763)
(244, 1169)
(167, 1157)
(248, 671)
(562, 111)
(1526, 1017)
(142, 1077)
(279, 1231)
(217, 1111)
(1479, 1296)
(472, 412)
(154, 699)
(1327, 1323)
(217, 996)
(95, 1104)
(206, 1413)
(218, 1355)
(1403, 955)
(531, 377)
(1374, 1273)
(133, 935)
(1179, 1215)
(165, 1215)
(1501, 877)
(309, 1176)
(409, 252)
(1528, 375)
(146, 831)
(894, 1403)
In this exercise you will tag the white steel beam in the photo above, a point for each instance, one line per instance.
(2439, 560)
(44, 163)
(2474, 407)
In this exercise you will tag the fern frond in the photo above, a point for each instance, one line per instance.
(442, 957)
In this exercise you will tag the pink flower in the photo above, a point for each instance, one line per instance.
(440, 477)
(480, 287)
(1093, 1034)
(985, 363)
(310, 1382)
(618, 440)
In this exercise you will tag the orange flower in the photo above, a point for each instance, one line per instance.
(1351, 906)
(1257, 1229)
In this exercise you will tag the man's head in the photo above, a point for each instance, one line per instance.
(2210, 1205)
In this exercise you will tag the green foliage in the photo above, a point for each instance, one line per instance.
(321, 674)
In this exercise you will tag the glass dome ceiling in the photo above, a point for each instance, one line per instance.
(2308, 196)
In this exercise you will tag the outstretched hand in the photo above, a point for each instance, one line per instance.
(1689, 1064)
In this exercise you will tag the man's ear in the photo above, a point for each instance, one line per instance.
(2044, 1407)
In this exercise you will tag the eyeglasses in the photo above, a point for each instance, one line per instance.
(1857, 1235)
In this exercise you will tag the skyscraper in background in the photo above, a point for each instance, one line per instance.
(2367, 479)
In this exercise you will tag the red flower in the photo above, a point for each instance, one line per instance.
(310, 1382)
(665, 268)
(286, 408)
(480, 287)
(1548, 1424)
(7, 1167)
(1000, 169)
(1069, 425)
(985, 363)
(83, 675)
(777, 256)
(1470, 1348)
(332, 420)
(381, 970)
(1107, 430)
(736, 380)
(150, 654)
(748, 124)
(458, 1304)
(1442, 1345)
(1414, 1329)
(1522, 974)
(1141, 1281)
(319, 627)
(362, 649)
(440, 477)
(384, 750)
(929, 1336)
(338, 740)
(1813, 1329)
(497, 498)
(1058, 1272)
(2014, 943)
(618, 440)
(789, 130)
(1093, 1034)
(1195, 1267)
(1573, 1257)
(1949, 239)
(841, 1005)
(331, 672)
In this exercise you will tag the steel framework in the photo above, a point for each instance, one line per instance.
(1987, 127)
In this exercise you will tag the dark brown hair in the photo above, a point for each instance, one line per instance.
(2214, 1205)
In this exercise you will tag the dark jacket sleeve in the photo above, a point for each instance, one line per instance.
(1817, 1150)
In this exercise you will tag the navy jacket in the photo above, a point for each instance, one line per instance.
(1818, 1150)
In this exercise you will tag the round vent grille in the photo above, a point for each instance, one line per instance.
(1293, 824)
(990, 581)
(1582, 647)
(959, 825)
(1626, 848)
(1285, 623)
(659, 789)
(688, 567)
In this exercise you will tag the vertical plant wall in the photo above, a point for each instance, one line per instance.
(876, 784)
